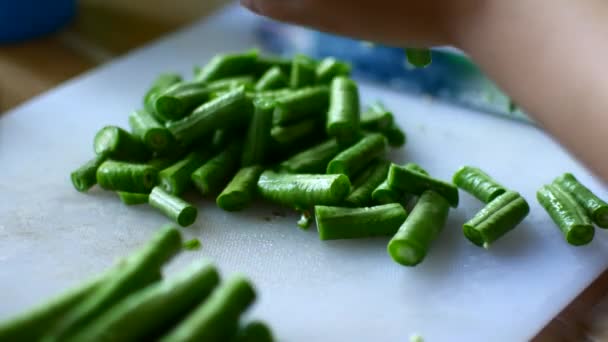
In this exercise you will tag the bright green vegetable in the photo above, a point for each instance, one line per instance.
(377, 118)
(192, 244)
(180, 99)
(257, 139)
(266, 62)
(241, 190)
(356, 157)
(411, 243)
(180, 211)
(303, 191)
(128, 177)
(313, 160)
(419, 58)
(161, 83)
(305, 220)
(496, 219)
(273, 94)
(216, 319)
(85, 176)
(415, 183)
(161, 163)
(272, 79)
(142, 269)
(366, 182)
(595, 207)
(294, 132)
(132, 198)
(383, 194)
(176, 178)
(228, 65)
(329, 68)
(395, 136)
(569, 216)
(303, 72)
(213, 175)
(152, 311)
(149, 130)
(118, 144)
(353, 223)
(343, 114)
(254, 331)
(301, 104)
(225, 112)
(231, 83)
(478, 184)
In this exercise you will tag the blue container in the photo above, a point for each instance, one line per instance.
(25, 19)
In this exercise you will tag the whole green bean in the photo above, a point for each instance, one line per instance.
(272, 79)
(354, 223)
(141, 269)
(496, 219)
(343, 114)
(122, 176)
(228, 65)
(294, 132)
(180, 99)
(225, 112)
(254, 331)
(303, 72)
(411, 243)
(415, 183)
(241, 190)
(85, 176)
(118, 144)
(176, 178)
(153, 134)
(180, 211)
(303, 191)
(569, 216)
(419, 58)
(213, 175)
(257, 139)
(313, 160)
(152, 311)
(377, 118)
(300, 104)
(132, 198)
(329, 68)
(366, 183)
(356, 157)
(216, 319)
(478, 184)
(595, 207)
(161, 83)
(384, 194)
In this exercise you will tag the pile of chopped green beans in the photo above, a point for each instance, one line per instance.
(293, 132)
(131, 302)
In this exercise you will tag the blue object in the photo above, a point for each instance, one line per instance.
(25, 19)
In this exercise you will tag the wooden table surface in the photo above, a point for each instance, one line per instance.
(104, 29)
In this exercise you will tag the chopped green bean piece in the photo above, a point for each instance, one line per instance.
(497, 218)
(213, 175)
(161, 163)
(192, 244)
(329, 68)
(356, 157)
(416, 168)
(303, 191)
(85, 176)
(478, 184)
(301, 104)
(228, 65)
(176, 178)
(567, 214)
(377, 118)
(395, 136)
(419, 58)
(294, 132)
(366, 182)
(273, 94)
(216, 319)
(142, 269)
(180, 211)
(241, 190)
(595, 207)
(415, 183)
(313, 160)
(272, 79)
(231, 83)
(132, 198)
(122, 176)
(227, 111)
(162, 82)
(266, 62)
(180, 99)
(343, 115)
(118, 144)
(254, 331)
(384, 194)
(257, 139)
(153, 310)
(153, 134)
(303, 72)
(411, 243)
(354, 223)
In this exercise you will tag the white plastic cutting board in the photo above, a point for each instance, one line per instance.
(52, 237)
